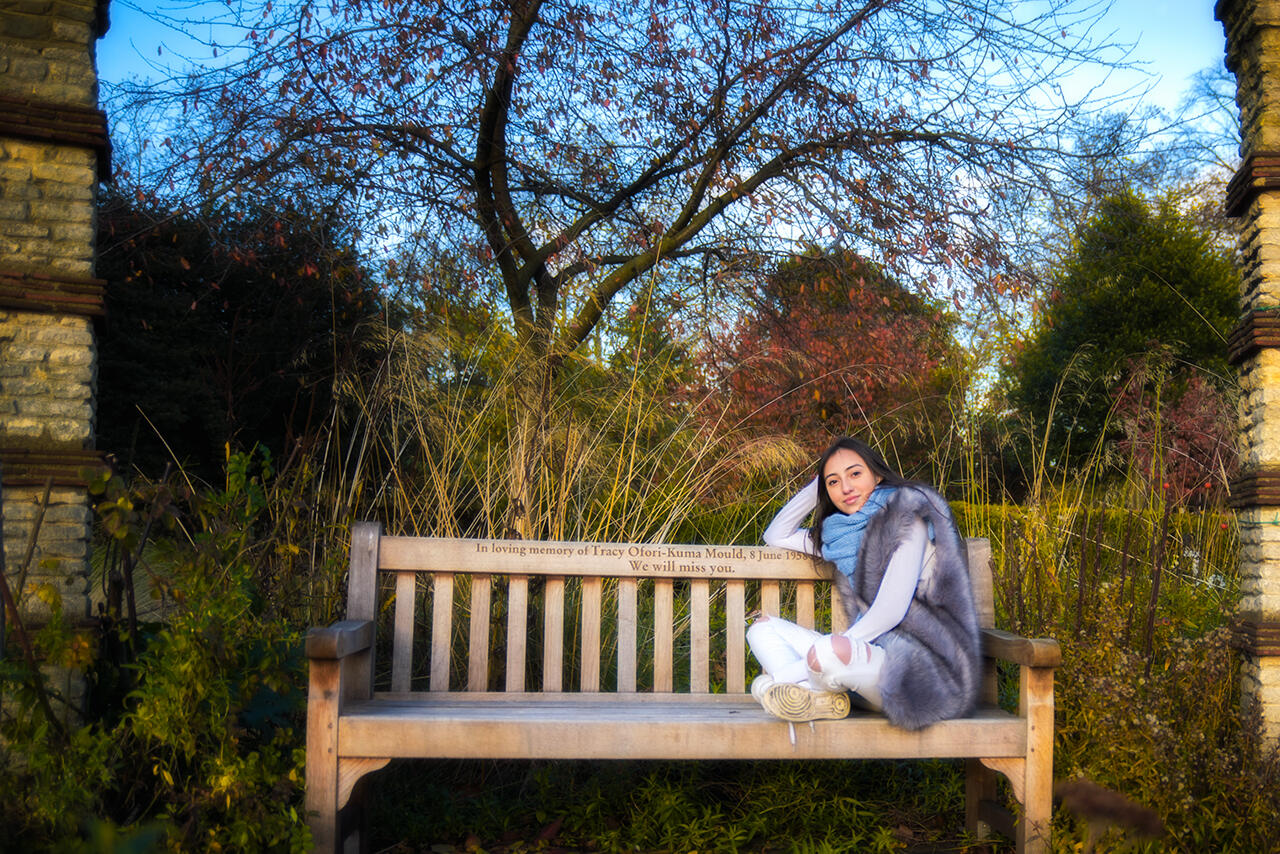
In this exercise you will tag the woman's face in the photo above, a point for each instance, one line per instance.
(849, 480)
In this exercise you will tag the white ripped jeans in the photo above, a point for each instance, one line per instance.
(791, 653)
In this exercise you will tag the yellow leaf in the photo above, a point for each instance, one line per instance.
(49, 595)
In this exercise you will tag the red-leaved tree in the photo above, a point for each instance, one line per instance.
(1178, 432)
(835, 346)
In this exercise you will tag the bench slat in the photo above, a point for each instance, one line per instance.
(590, 650)
(362, 598)
(804, 604)
(553, 635)
(838, 621)
(441, 629)
(735, 617)
(517, 630)
(699, 636)
(663, 645)
(402, 631)
(478, 660)
(771, 598)
(980, 577)
(627, 623)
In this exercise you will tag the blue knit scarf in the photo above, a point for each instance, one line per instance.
(842, 534)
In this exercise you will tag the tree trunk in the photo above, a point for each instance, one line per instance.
(527, 437)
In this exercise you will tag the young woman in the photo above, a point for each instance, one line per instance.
(912, 649)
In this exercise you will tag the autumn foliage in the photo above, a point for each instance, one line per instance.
(1179, 433)
(836, 346)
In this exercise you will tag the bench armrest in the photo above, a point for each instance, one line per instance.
(343, 638)
(1030, 652)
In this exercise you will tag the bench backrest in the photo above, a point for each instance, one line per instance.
(518, 615)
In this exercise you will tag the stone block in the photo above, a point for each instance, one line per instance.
(25, 353)
(65, 173)
(26, 72)
(1262, 676)
(25, 230)
(66, 514)
(73, 232)
(71, 357)
(18, 498)
(68, 431)
(72, 192)
(54, 212)
(74, 10)
(15, 427)
(15, 25)
(53, 409)
(13, 209)
(15, 191)
(21, 388)
(75, 603)
(15, 172)
(75, 378)
(56, 258)
(66, 331)
(72, 156)
(62, 550)
(68, 93)
(75, 32)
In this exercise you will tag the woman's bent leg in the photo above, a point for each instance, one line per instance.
(780, 646)
(785, 690)
(837, 663)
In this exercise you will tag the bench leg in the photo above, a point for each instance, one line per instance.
(979, 796)
(1030, 778)
(323, 699)
(353, 823)
(1037, 705)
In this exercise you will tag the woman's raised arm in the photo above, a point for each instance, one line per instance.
(784, 531)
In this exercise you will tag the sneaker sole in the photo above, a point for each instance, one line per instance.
(792, 702)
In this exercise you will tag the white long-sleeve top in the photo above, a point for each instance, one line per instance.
(900, 578)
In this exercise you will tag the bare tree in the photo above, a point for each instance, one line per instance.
(575, 147)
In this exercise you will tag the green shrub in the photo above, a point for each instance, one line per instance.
(204, 751)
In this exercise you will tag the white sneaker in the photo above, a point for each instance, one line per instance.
(792, 702)
(759, 685)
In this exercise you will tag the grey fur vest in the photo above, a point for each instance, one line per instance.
(933, 658)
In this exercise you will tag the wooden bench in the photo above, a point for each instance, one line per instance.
(613, 651)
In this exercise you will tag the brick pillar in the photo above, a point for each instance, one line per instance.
(1253, 196)
(53, 151)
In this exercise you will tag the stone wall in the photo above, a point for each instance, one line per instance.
(47, 50)
(1253, 55)
(46, 212)
(53, 152)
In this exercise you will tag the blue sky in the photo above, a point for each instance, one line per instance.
(1173, 39)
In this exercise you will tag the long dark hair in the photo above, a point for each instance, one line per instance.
(874, 460)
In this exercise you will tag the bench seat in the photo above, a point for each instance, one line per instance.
(654, 726)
